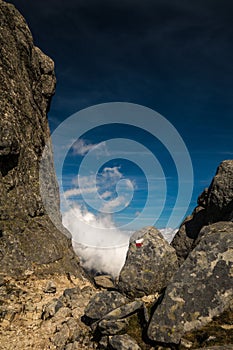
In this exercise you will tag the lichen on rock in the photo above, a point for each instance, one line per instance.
(28, 238)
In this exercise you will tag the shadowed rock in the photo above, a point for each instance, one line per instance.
(214, 204)
(28, 238)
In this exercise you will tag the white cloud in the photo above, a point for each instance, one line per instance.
(106, 194)
(105, 184)
(120, 201)
(81, 147)
(96, 240)
(100, 245)
(79, 191)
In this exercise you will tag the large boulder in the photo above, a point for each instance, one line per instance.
(214, 204)
(150, 264)
(29, 240)
(201, 290)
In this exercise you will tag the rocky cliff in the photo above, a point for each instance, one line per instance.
(214, 204)
(28, 239)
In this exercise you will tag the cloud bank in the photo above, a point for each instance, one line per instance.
(100, 245)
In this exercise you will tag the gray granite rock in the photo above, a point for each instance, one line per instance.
(148, 268)
(214, 204)
(201, 290)
(124, 310)
(102, 303)
(112, 327)
(29, 240)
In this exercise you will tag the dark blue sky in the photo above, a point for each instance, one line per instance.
(174, 56)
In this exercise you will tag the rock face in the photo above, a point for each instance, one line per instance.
(214, 204)
(201, 290)
(149, 266)
(28, 239)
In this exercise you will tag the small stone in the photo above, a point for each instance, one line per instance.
(71, 297)
(123, 342)
(69, 346)
(112, 327)
(50, 287)
(101, 304)
(50, 309)
(61, 337)
(28, 272)
(124, 310)
(62, 313)
(104, 281)
(103, 343)
(186, 343)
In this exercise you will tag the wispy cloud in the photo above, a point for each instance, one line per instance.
(81, 147)
(110, 185)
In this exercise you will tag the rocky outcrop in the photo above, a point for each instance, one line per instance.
(214, 204)
(201, 290)
(110, 314)
(149, 265)
(28, 238)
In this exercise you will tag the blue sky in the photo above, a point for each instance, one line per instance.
(174, 57)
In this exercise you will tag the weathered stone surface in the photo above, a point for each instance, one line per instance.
(104, 281)
(123, 342)
(147, 268)
(201, 289)
(51, 308)
(102, 303)
(28, 239)
(71, 297)
(124, 310)
(112, 327)
(214, 204)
